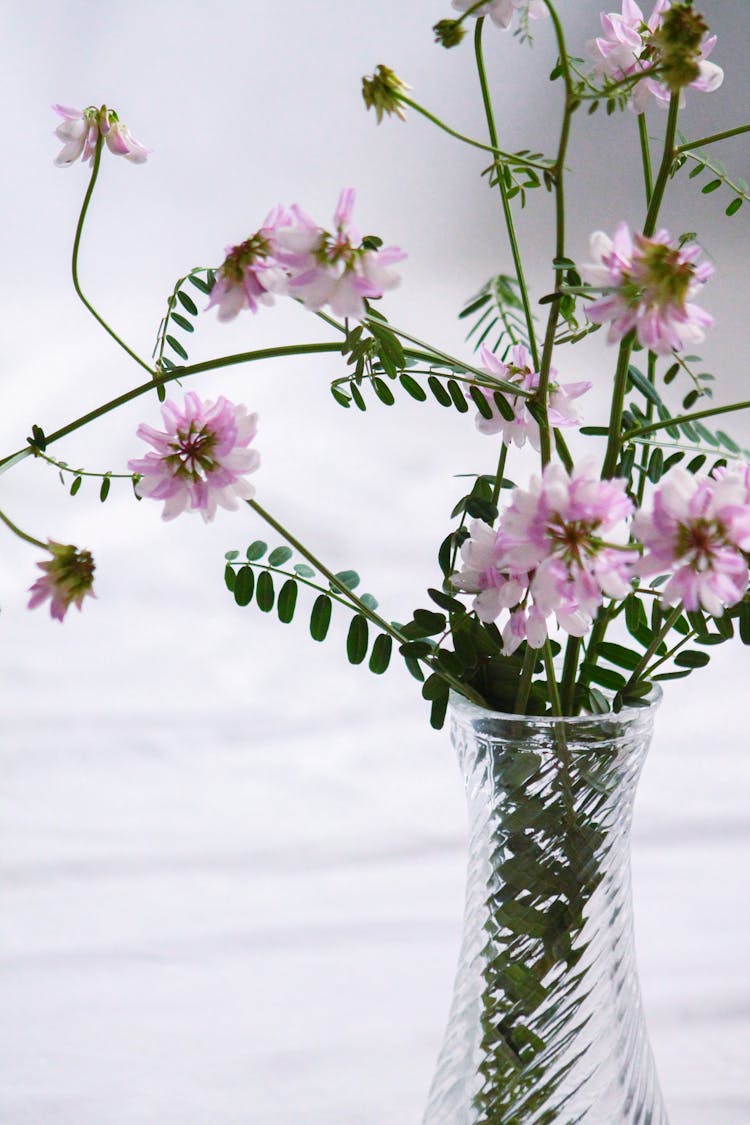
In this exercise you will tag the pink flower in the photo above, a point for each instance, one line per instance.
(628, 47)
(80, 130)
(519, 370)
(501, 11)
(570, 534)
(67, 579)
(335, 269)
(651, 285)
(697, 532)
(201, 457)
(250, 273)
(480, 575)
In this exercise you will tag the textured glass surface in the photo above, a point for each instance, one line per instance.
(546, 1022)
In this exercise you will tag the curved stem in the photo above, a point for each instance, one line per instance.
(22, 534)
(648, 177)
(662, 177)
(507, 211)
(179, 373)
(615, 439)
(74, 261)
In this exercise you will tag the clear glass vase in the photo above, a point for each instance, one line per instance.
(546, 1022)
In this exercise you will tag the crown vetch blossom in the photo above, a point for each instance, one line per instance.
(632, 44)
(652, 284)
(519, 370)
(201, 457)
(501, 12)
(698, 533)
(80, 129)
(250, 274)
(560, 548)
(336, 269)
(382, 92)
(68, 579)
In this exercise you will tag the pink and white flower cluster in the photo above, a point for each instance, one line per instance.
(80, 130)
(698, 532)
(201, 459)
(292, 255)
(651, 285)
(501, 12)
(625, 49)
(560, 548)
(520, 370)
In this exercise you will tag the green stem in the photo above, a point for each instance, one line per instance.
(665, 167)
(643, 662)
(352, 598)
(615, 438)
(179, 373)
(571, 101)
(507, 210)
(668, 655)
(570, 667)
(710, 412)
(646, 452)
(713, 137)
(500, 472)
(530, 658)
(22, 534)
(648, 177)
(492, 149)
(74, 262)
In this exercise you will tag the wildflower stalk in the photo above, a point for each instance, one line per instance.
(558, 172)
(570, 667)
(74, 262)
(648, 177)
(665, 167)
(507, 211)
(524, 683)
(644, 661)
(680, 419)
(688, 145)
(614, 440)
(22, 534)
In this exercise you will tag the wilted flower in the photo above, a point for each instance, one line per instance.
(336, 269)
(68, 578)
(382, 92)
(501, 11)
(449, 33)
(673, 39)
(696, 533)
(80, 130)
(652, 284)
(250, 274)
(519, 370)
(201, 457)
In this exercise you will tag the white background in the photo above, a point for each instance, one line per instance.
(232, 865)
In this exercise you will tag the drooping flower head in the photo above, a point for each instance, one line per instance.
(698, 533)
(519, 370)
(201, 457)
(651, 283)
(337, 268)
(674, 38)
(382, 92)
(250, 274)
(67, 579)
(80, 130)
(501, 12)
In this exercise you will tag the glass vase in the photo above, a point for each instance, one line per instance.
(546, 1023)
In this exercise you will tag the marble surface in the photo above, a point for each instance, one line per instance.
(198, 927)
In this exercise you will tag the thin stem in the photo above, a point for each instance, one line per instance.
(665, 167)
(646, 452)
(493, 148)
(74, 261)
(22, 534)
(530, 658)
(713, 137)
(672, 652)
(710, 412)
(648, 177)
(615, 439)
(179, 373)
(570, 667)
(500, 472)
(643, 662)
(507, 210)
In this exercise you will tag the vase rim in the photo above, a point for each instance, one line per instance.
(459, 704)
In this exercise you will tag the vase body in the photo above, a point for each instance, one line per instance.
(546, 1022)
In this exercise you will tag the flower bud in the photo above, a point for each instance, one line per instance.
(382, 92)
(449, 32)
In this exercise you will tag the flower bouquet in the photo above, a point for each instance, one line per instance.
(561, 602)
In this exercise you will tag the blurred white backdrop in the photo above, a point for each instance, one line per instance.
(233, 864)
